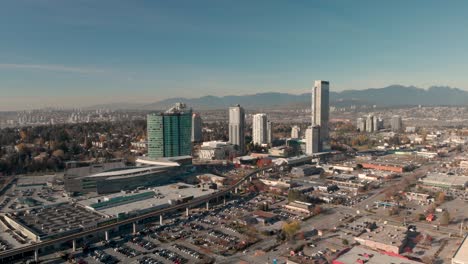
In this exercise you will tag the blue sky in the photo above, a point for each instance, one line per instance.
(84, 52)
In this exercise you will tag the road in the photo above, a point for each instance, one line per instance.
(95, 230)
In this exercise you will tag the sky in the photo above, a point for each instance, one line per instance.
(76, 53)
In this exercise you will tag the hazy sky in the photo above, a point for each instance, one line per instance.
(84, 52)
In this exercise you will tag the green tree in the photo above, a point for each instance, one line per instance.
(291, 228)
(444, 218)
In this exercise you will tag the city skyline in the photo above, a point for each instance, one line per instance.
(60, 53)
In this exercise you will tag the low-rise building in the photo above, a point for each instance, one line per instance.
(386, 238)
(305, 170)
(299, 206)
(444, 181)
(361, 254)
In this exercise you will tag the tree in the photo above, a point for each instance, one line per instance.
(441, 198)
(291, 228)
(444, 218)
(345, 242)
(317, 210)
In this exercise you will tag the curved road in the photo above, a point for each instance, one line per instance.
(192, 203)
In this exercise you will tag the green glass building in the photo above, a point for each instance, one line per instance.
(170, 133)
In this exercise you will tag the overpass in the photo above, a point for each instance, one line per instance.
(195, 202)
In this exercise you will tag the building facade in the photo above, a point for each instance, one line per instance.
(321, 109)
(370, 123)
(312, 137)
(396, 123)
(237, 127)
(259, 129)
(169, 133)
(361, 124)
(197, 128)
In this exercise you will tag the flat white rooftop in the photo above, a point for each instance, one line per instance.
(130, 172)
(160, 200)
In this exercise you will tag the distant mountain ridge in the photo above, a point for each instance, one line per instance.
(394, 95)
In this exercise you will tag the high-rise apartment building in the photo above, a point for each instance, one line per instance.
(396, 123)
(259, 129)
(361, 124)
(237, 127)
(321, 109)
(196, 128)
(169, 133)
(375, 123)
(295, 132)
(370, 123)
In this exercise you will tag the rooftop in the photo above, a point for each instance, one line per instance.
(461, 255)
(369, 256)
(149, 199)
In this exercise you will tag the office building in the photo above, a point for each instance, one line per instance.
(312, 137)
(196, 128)
(169, 133)
(259, 129)
(321, 110)
(370, 123)
(295, 132)
(396, 123)
(237, 127)
(361, 124)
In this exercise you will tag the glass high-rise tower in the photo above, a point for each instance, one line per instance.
(170, 133)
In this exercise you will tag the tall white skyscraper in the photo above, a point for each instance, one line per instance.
(196, 128)
(312, 137)
(295, 132)
(321, 109)
(259, 129)
(237, 127)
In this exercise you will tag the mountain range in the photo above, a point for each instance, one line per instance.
(394, 95)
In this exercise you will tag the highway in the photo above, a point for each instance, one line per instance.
(96, 230)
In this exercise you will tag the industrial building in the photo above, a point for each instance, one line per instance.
(299, 206)
(444, 181)
(387, 238)
(305, 170)
(398, 168)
